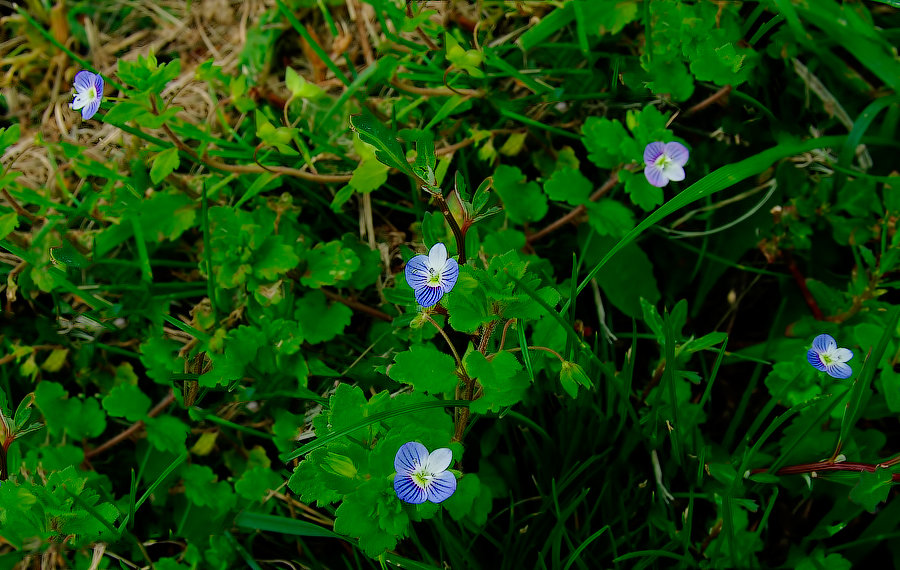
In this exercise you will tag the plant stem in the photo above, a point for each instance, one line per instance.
(447, 338)
(819, 466)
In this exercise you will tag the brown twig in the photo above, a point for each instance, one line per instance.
(579, 210)
(503, 336)
(249, 168)
(436, 91)
(15, 205)
(804, 290)
(815, 468)
(371, 311)
(723, 92)
(362, 33)
(158, 409)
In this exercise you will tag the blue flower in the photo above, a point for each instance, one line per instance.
(88, 93)
(827, 357)
(423, 476)
(432, 275)
(665, 162)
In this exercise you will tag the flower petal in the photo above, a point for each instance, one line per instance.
(92, 107)
(824, 343)
(673, 172)
(410, 457)
(449, 275)
(655, 175)
(441, 487)
(839, 370)
(77, 103)
(407, 489)
(812, 356)
(417, 271)
(653, 151)
(438, 461)
(678, 153)
(842, 354)
(98, 84)
(83, 80)
(437, 256)
(428, 296)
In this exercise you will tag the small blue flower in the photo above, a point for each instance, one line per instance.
(432, 275)
(827, 357)
(423, 476)
(665, 162)
(88, 93)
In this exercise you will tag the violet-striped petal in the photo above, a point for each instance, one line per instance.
(677, 153)
(655, 175)
(812, 356)
(824, 343)
(407, 489)
(441, 487)
(410, 457)
(417, 271)
(839, 370)
(449, 275)
(428, 296)
(653, 151)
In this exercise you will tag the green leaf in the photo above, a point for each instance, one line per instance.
(609, 217)
(127, 401)
(872, 488)
(627, 278)
(167, 433)
(202, 487)
(607, 16)
(568, 185)
(362, 514)
(501, 377)
(8, 223)
(164, 164)
(571, 376)
(319, 320)
(300, 87)
(670, 77)
(467, 305)
(425, 368)
(604, 141)
(387, 149)
(77, 418)
(642, 193)
(329, 263)
(255, 483)
(273, 258)
(523, 201)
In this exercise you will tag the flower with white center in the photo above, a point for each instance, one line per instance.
(827, 357)
(432, 275)
(88, 93)
(665, 162)
(423, 476)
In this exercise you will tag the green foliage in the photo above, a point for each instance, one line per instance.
(211, 353)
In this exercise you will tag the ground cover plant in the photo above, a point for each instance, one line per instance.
(380, 284)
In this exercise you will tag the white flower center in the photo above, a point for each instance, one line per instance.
(826, 359)
(422, 477)
(434, 278)
(663, 161)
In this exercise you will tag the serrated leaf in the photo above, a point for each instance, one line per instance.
(164, 164)
(425, 368)
(872, 488)
(387, 149)
(167, 433)
(523, 201)
(320, 320)
(568, 185)
(126, 401)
